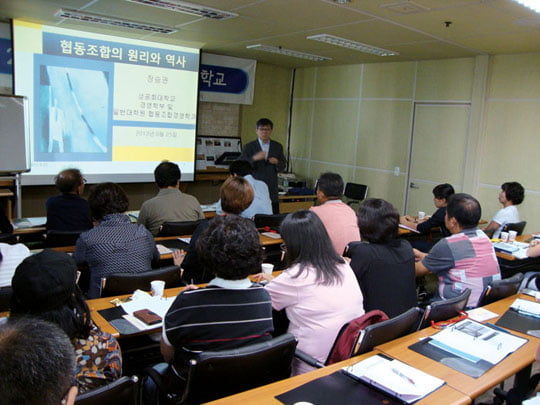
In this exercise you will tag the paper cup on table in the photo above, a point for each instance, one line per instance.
(267, 268)
(503, 236)
(421, 214)
(512, 236)
(157, 287)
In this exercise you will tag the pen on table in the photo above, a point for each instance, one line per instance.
(191, 281)
(492, 325)
(400, 374)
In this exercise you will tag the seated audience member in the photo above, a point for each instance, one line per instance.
(337, 217)
(10, 257)
(236, 195)
(37, 364)
(115, 245)
(231, 311)
(511, 194)
(466, 259)
(5, 225)
(441, 194)
(170, 204)
(261, 199)
(44, 287)
(383, 263)
(318, 290)
(68, 211)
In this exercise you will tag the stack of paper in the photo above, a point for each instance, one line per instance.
(142, 300)
(394, 377)
(474, 341)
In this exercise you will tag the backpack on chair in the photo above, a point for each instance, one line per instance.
(349, 334)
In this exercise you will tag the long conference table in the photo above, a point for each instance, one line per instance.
(459, 388)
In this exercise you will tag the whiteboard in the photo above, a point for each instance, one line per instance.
(14, 156)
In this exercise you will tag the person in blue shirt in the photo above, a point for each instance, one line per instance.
(261, 201)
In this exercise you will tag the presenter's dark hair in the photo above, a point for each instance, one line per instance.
(240, 168)
(230, 248)
(167, 174)
(378, 221)
(38, 363)
(107, 198)
(514, 192)
(331, 184)
(465, 209)
(443, 191)
(309, 245)
(265, 122)
(236, 195)
(68, 180)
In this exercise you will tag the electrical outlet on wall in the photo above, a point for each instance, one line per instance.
(396, 171)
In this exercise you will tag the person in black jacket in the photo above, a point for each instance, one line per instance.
(267, 158)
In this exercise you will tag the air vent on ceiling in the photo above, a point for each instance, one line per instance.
(188, 8)
(100, 19)
(405, 7)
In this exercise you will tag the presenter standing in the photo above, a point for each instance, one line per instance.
(266, 157)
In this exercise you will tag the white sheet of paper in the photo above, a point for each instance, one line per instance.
(479, 341)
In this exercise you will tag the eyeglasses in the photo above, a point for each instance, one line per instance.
(84, 181)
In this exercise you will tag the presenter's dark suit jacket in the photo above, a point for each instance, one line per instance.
(262, 169)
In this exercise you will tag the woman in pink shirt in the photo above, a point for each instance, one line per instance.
(318, 290)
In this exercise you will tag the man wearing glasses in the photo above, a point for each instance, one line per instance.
(68, 211)
(266, 157)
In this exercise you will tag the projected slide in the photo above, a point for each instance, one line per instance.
(113, 107)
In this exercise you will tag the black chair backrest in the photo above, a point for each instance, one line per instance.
(357, 192)
(499, 289)
(5, 298)
(385, 331)
(61, 238)
(273, 221)
(8, 238)
(123, 391)
(179, 228)
(445, 309)
(218, 374)
(125, 283)
(517, 226)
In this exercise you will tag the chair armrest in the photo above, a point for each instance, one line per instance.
(306, 358)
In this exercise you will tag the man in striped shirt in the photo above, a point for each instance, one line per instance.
(229, 313)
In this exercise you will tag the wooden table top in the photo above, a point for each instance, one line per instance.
(97, 304)
(472, 387)
(266, 395)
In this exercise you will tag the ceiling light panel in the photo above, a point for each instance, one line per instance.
(100, 19)
(347, 43)
(532, 4)
(188, 8)
(288, 52)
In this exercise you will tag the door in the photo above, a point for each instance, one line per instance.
(438, 152)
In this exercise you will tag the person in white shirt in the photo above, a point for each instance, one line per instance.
(512, 194)
(10, 257)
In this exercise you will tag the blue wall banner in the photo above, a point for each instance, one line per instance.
(224, 79)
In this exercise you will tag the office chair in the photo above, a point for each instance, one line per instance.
(123, 391)
(8, 238)
(61, 238)
(445, 309)
(499, 289)
(516, 226)
(355, 192)
(5, 298)
(125, 283)
(530, 280)
(179, 228)
(346, 340)
(273, 221)
(385, 331)
(213, 375)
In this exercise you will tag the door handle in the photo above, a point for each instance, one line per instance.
(413, 185)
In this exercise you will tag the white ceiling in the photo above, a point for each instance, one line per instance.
(477, 27)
